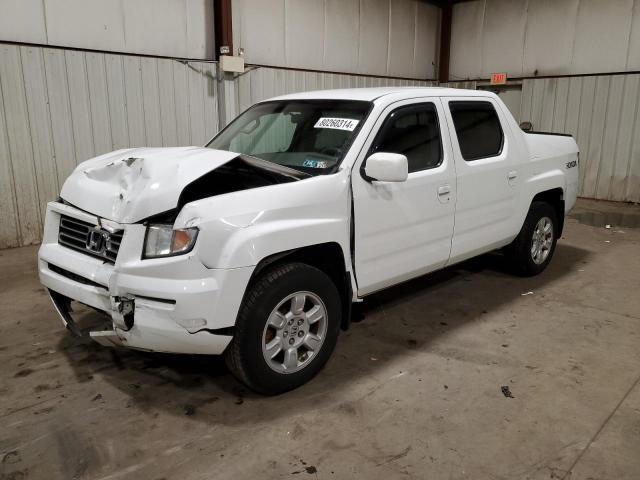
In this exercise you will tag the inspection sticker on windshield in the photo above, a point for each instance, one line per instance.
(337, 123)
(315, 163)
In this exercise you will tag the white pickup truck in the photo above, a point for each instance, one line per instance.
(257, 245)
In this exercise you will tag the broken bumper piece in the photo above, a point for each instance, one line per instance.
(62, 304)
(138, 321)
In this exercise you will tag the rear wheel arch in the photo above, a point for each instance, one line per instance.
(555, 198)
(537, 235)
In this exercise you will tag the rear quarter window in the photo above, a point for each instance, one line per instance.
(478, 129)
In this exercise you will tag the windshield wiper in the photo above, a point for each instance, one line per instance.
(273, 167)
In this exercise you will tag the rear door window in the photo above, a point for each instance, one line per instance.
(478, 129)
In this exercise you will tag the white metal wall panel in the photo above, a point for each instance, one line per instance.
(544, 37)
(633, 60)
(200, 29)
(373, 37)
(469, 85)
(340, 36)
(99, 95)
(626, 153)
(601, 112)
(60, 112)
(183, 115)
(37, 99)
(503, 37)
(466, 40)
(260, 83)
(427, 41)
(196, 103)
(80, 104)
(9, 226)
(262, 30)
(155, 27)
(395, 38)
(208, 82)
(114, 68)
(550, 31)
(99, 24)
(18, 131)
(151, 101)
(166, 90)
(602, 36)
(60, 107)
(304, 40)
(23, 21)
(402, 31)
(133, 101)
(165, 27)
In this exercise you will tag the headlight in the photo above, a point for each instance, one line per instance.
(164, 241)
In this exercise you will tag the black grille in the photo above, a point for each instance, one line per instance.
(74, 277)
(75, 234)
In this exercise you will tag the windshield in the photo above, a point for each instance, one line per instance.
(309, 135)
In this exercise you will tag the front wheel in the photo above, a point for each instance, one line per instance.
(286, 329)
(531, 251)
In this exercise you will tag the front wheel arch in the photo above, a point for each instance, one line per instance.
(326, 257)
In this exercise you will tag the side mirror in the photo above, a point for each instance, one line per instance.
(387, 167)
(526, 126)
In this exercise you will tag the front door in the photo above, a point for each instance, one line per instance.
(404, 229)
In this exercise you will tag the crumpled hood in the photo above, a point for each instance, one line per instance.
(129, 185)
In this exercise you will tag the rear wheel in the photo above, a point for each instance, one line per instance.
(286, 330)
(531, 251)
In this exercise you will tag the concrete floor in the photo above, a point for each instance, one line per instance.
(413, 390)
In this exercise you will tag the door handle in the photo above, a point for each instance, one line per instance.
(512, 175)
(444, 193)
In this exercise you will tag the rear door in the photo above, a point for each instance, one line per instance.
(488, 175)
(404, 229)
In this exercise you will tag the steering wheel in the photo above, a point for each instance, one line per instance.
(331, 151)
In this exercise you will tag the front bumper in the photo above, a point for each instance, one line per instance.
(178, 303)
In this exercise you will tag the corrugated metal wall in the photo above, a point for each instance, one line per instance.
(260, 83)
(167, 28)
(371, 37)
(60, 107)
(601, 112)
(544, 37)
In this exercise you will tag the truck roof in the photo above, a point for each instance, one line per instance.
(370, 94)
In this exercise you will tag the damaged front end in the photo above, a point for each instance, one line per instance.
(129, 186)
(111, 243)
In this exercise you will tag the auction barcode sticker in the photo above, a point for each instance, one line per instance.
(337, 123)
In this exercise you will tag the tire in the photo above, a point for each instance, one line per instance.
(521, 252)
(270, 314)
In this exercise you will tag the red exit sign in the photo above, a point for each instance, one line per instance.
(498, 78)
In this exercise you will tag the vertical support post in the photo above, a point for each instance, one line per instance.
(223, 26)
(445, 41)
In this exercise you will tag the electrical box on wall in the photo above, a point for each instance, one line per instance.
(230, 63)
